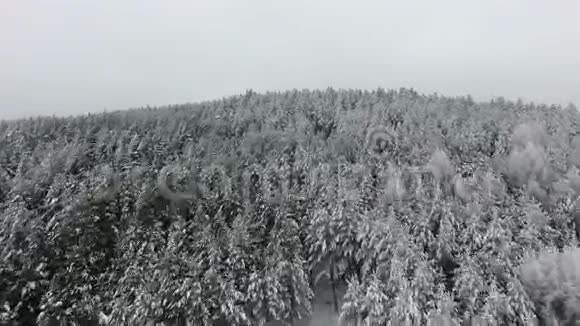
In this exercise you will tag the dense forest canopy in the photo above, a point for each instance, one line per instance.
(423, 207)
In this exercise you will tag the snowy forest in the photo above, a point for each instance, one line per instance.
(388, 206)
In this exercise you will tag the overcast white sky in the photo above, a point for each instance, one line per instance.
(71, 57)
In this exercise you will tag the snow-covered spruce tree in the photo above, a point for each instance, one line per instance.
(551, 281)
(52, 194)
(83, 238)
(281, 289)
(170, 274)
(24, 276)
(527, 164)
(398, 283)
(332, 246)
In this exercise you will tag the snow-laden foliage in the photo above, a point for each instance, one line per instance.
(414, 209)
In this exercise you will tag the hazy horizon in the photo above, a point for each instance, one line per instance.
(68, 57)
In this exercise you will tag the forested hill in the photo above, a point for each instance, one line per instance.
(421, 206)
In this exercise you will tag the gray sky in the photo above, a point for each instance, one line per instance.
(71, 57)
